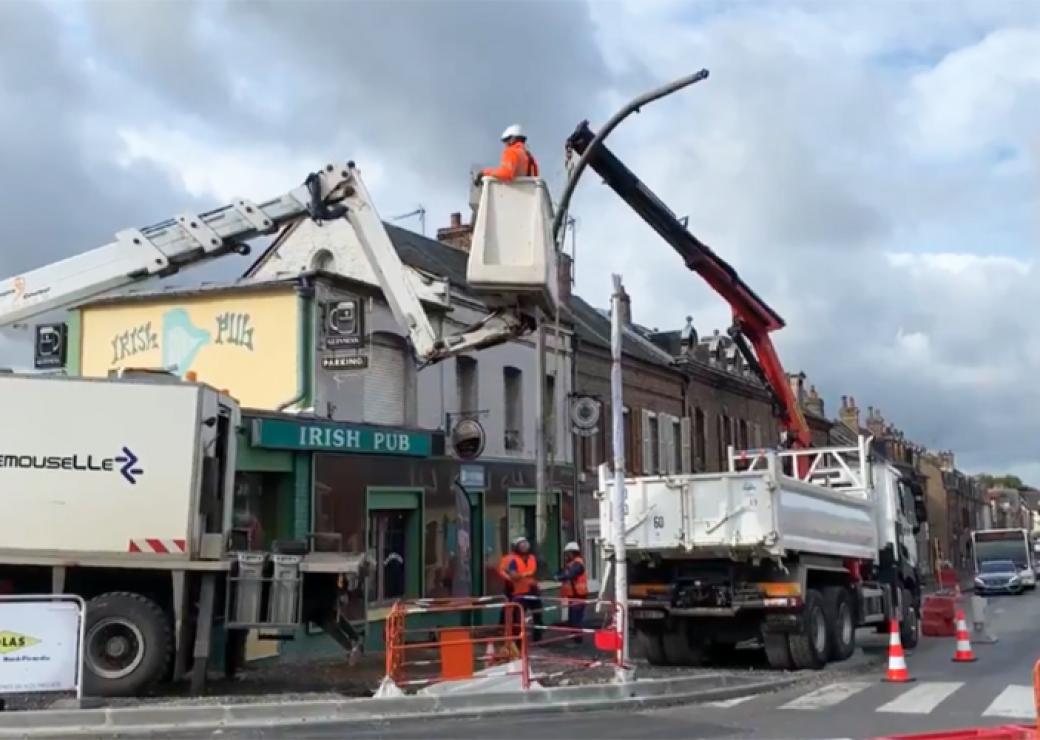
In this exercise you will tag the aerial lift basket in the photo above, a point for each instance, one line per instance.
(512, 259)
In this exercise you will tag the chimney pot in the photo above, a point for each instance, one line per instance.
(456, 220)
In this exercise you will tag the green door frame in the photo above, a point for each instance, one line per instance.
(476, 540)
(389, 498)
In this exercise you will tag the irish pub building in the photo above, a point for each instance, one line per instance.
(343, 436)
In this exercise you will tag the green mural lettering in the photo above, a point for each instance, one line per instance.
(133, 341)
(235, 329)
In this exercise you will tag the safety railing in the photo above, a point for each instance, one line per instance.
(421, 650)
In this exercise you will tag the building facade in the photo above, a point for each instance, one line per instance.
(346, 436)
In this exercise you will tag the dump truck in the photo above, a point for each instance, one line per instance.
(793, 548)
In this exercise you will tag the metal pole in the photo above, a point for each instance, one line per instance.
(633, 106)
(618, 502)
(541, 502)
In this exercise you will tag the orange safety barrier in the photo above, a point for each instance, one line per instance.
(1036, 693)
(418, 656)
(1004, 732)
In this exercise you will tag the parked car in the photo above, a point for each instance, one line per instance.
(998, 577)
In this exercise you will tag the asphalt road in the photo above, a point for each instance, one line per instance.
(837, 703)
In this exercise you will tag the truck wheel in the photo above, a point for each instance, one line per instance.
(679, 648)
(650, 645)
(127, 645)
(841, 625)
(777, 651)
(909, 625)
(809, 645)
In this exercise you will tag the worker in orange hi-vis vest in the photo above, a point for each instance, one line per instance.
(519, 571)
(574, 587)
(517, 161)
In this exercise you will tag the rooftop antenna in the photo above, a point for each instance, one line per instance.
(420, 211)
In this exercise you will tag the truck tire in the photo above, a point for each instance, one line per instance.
(841, 622)
(127, 645)
(909, 625)
(778, 653)
(679, 649)
(810, 644)
(650, 645)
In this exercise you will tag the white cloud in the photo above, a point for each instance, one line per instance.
(872, 173)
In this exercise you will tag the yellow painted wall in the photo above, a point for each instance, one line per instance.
(245, 342)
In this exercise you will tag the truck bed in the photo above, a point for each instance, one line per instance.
(765, 510)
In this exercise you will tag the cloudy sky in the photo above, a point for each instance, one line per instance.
(872, 169)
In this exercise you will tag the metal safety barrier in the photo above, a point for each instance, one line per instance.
(486, 632)
(556, 651)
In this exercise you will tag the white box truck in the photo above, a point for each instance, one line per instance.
(121, 491)
(795, 548)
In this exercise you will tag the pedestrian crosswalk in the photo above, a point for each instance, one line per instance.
(1013, 701)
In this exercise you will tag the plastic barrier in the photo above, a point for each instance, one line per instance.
(938, 615)
(488, 632)
(1005, 732)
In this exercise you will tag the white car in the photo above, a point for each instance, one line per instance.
(1028, 578)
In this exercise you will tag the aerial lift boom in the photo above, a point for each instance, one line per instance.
(189, 240)
(753, 319)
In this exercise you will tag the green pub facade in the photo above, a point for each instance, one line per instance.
(432, 526)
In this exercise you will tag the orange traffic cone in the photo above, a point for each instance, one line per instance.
(897, 672)
(964, 652)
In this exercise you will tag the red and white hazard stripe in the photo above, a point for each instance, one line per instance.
(159, 546)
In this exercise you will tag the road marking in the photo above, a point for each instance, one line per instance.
(828, 696)
(727, 703)
(1014, 701)
(921, 699)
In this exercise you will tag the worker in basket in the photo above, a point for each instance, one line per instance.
(517, 161)
(574, 588)
(519, 571)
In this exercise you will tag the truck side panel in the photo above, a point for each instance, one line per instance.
(103, 467)
(818, 521)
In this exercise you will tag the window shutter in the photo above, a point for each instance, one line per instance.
(687, 445)
(648, 441)
(665, 444)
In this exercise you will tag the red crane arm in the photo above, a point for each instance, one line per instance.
(753, 318)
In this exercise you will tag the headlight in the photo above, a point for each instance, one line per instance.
(1014, 579)
(979, 582)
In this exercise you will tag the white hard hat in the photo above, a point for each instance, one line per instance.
(571, 547)
(518, 540)
(513, 131)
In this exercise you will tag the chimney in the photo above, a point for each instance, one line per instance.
(626, 308)
(797, 383)
(564, 276)
(814, 403)
(456, 234)
(876, 422)
(687, 337)
(849, 414)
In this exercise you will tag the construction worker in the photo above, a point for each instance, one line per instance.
(574, 587)
(519, 570)
(517, 161)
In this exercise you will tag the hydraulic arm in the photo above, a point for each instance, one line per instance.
(188, 240)
(753, 319)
